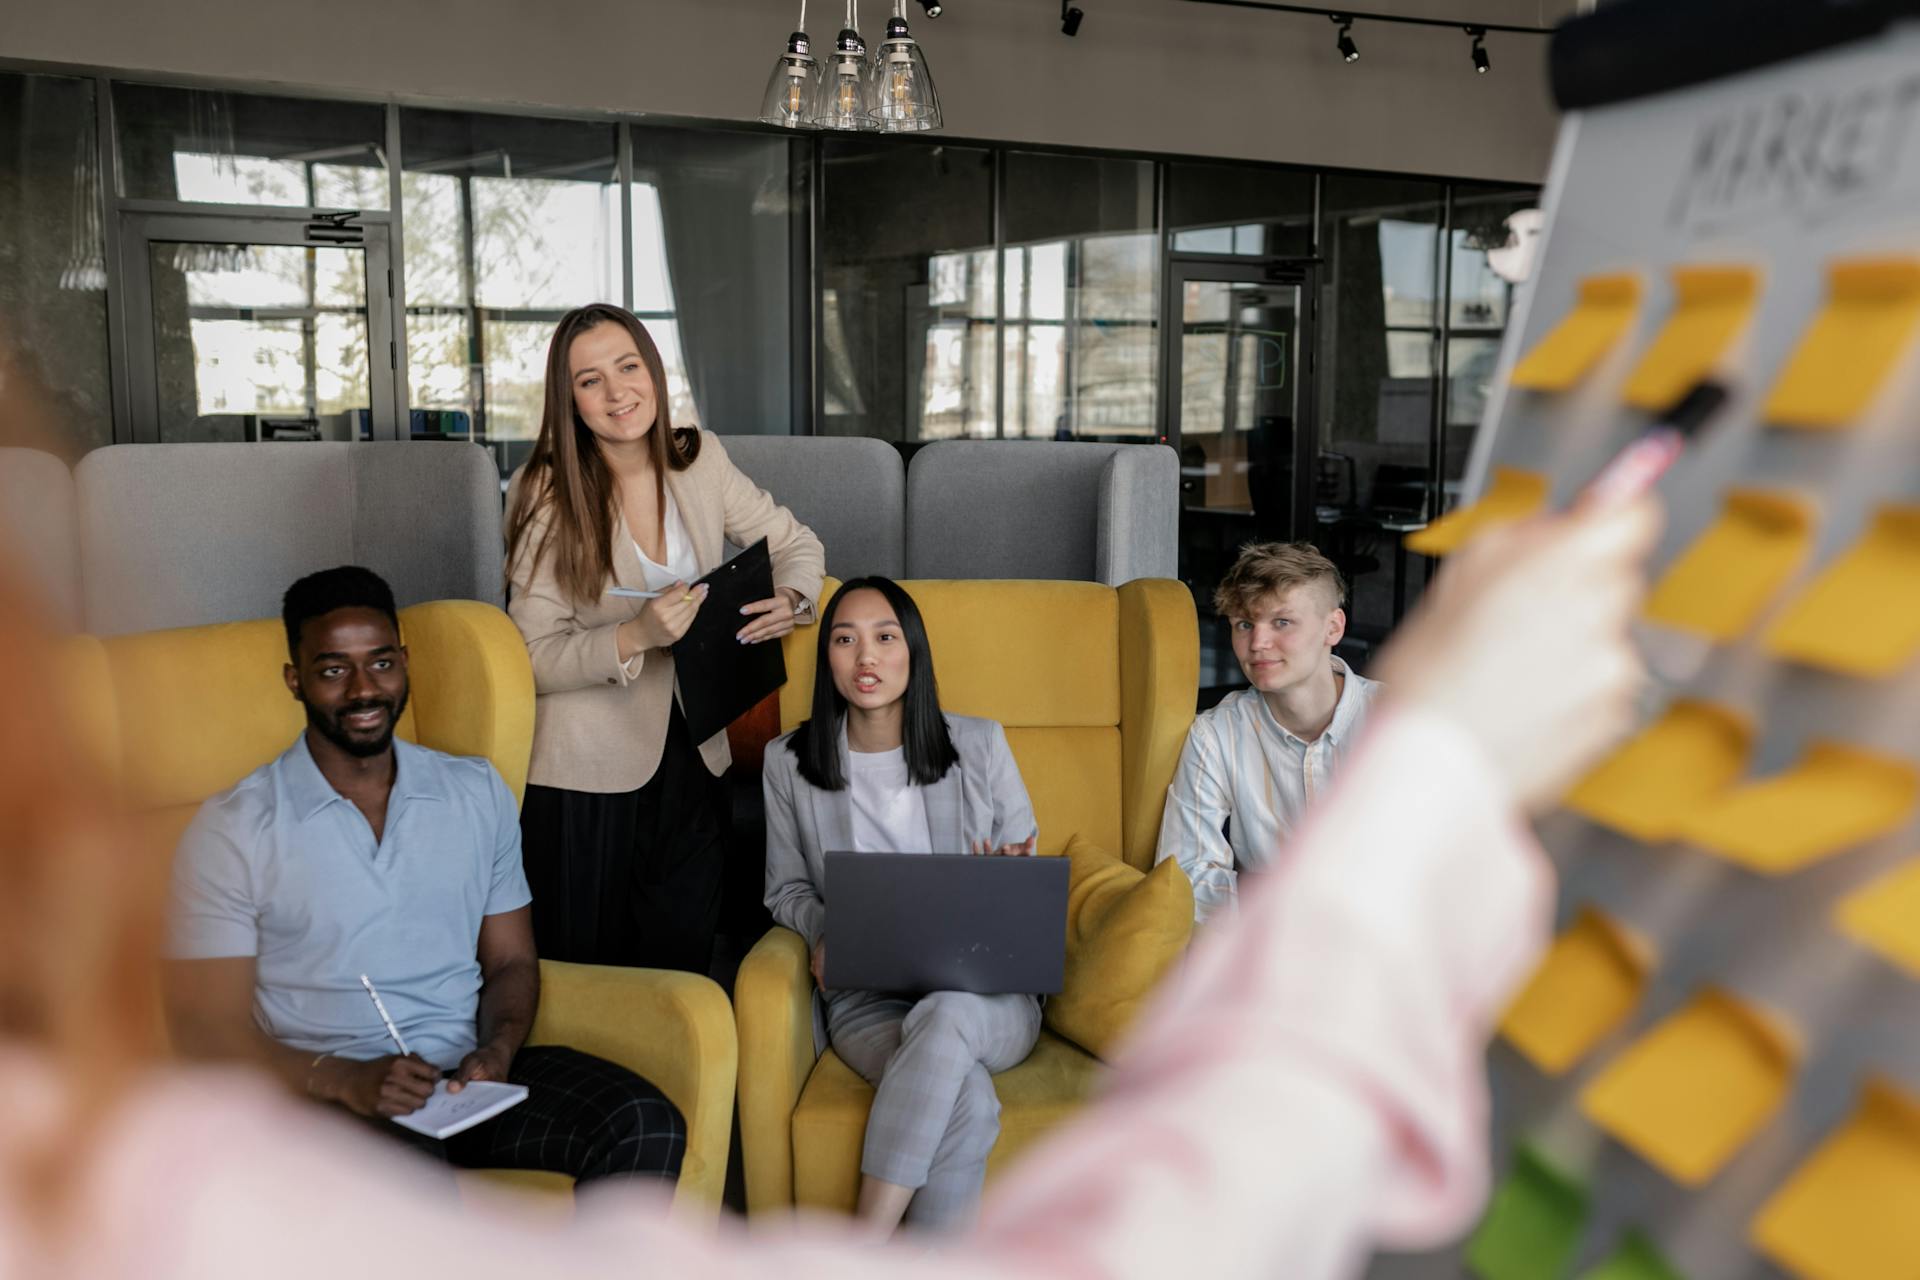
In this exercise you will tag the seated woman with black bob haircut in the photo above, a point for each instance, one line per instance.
(880, 768)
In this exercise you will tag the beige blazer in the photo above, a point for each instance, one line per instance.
(597, 728)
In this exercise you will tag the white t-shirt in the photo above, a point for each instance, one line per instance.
(889, 812)
(680, 565)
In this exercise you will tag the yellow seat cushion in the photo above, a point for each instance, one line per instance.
(1125, 929)
(830, 1124)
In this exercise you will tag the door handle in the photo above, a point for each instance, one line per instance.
(333, 228)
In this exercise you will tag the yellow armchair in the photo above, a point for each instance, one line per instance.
(192, 710)
(1095, 686)
(676, 1029)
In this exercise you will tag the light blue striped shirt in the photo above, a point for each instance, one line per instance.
(1239, 763)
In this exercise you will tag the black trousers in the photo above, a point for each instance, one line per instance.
(630, 877)
(583, 1116)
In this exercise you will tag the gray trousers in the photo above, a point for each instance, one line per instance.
(935, 1115)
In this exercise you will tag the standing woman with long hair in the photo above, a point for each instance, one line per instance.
(622, 824)
(879, 768)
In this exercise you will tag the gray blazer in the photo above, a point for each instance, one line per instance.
(981, 798)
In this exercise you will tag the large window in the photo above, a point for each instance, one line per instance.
(909, 307)
(509, 223)
(257, 331)
(1247, 210)
(715, 219)
(214, 147)
(1480, 300)
(1082, 266)
(964, 299)
(250, 340)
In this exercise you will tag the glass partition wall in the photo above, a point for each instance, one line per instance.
(53, 267)
(197, 263)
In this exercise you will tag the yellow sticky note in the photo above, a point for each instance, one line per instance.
(1861, 617)
(1603, 312)
(1671, 770)
(1711, 307)
(1853, 343)
(1848, 1212)
(1833, 798)
(1884, 916)
(1690, 1092)
(1720, 585)
(1589, 983)
(1512, 494)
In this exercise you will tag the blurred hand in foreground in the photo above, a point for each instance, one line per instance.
(1523, 641)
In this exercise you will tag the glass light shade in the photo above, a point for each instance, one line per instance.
(792, 87)
(900, 95)
(840, 101)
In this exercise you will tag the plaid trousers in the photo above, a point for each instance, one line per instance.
(583, 1116)
(935, 1114)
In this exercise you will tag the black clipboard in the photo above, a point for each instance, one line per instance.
(720, 678)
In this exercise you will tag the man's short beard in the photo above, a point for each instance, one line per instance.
(364, 749)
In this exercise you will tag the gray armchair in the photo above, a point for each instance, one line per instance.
(176, 535)
(1043, 509)
(849, 490)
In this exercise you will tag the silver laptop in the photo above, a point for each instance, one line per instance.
(916, 922)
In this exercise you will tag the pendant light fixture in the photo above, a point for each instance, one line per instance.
(794, 83)
(840, 100)
(900, 96)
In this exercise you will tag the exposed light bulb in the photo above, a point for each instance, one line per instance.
(790, 89)
(899, 91)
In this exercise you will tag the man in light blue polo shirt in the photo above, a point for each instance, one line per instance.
(357, 854)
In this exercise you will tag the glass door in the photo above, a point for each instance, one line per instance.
(1239, 337)
(259, 328)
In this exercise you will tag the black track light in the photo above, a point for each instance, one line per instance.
(1480, 60)
(1070, 18)
(1349, 51)
(932, 7)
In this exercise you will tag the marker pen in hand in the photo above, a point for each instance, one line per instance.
(1639, 466)
(1672, 658)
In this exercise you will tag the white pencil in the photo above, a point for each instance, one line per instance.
(392, 1030)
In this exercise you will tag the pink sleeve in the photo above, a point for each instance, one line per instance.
(1311, 1086)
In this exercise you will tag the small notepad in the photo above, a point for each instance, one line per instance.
(446, 1114)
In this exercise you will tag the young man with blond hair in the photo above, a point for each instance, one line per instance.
(1253, 764)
